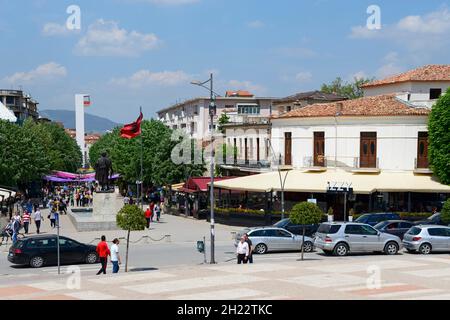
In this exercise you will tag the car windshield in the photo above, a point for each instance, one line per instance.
(381, 225)
(414, 231)
(282, 223)
(328, 228)
(362, 218)
(434, 216)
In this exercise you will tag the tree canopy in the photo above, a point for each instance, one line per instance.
(350, 90)
(159, 169)
(305, 213)
(30, 151)
(439, 136)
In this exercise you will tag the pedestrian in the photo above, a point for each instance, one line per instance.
(148, 217)
(157, 211)
(152, 209)
(250, 248)
(37, 220)
(52, 217)
(126, 200)
(103, 253)
(26, 221)
(15, 229)
(115, 257)
(242, 251)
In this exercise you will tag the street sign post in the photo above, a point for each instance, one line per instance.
(57, 242)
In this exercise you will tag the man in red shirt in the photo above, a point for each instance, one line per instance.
(103, 252)
(148, 217)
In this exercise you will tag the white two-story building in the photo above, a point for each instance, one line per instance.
(378, 144)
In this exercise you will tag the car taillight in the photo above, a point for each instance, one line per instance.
(417, 238)
(328, 239)
(17, 251)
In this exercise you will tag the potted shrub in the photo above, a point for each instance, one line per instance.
(350, 215)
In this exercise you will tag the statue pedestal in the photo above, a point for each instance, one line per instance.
(103, 216)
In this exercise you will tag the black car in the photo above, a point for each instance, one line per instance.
(375, 218)
(297, 229)
(435, 219)
(39, 251)
(395, 227)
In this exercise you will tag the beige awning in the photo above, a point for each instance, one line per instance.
(316, 182)
(5, 194)
(177, 187)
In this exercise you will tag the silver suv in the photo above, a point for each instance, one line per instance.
(427, 239)
(266, 239)
(340, 238)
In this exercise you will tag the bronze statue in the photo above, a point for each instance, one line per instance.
(103, 171)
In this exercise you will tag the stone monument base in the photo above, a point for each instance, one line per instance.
(103, 216)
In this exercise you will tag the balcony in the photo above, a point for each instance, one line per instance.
(421, 167)
(319, 165)
(366, 166)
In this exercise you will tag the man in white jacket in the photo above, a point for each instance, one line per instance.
(242, 251)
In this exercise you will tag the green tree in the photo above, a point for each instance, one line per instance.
(130, 218)
(224, 119)
(445, 213)
(352, 90)
(439, 136)
(305, 213)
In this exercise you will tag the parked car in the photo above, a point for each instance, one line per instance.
(297, 228)
(375, 218)
(427, 238)
(265, 239)
(396, 227)
(39, 251)
(342, 238)
(435, 219)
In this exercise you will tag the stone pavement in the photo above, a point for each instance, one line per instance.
(319, 277)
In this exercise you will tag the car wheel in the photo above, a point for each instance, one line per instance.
(261, 248)
(341, 250)
(308, 246)
(425, 248)
(37, 262)
(91, 258)
(391, 248)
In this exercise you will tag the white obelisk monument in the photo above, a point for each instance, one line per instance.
(81, 101)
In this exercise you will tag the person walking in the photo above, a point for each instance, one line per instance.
(26, 221)
(157, 211)
(103, 253)
(152, 210)
(115, 257)
(242, 251)
(37, 220)
(15, 229)
(250, 248)
(52, 217)
(148, 217)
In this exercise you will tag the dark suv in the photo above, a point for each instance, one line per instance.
(375, 218)
(38, 251)
(310, 229)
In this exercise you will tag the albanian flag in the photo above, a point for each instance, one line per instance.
(132, 130)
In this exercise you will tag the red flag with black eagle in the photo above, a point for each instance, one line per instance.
(132, 130)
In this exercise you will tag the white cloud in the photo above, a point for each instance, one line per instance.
(416, 33)
(105, 38)
(388, 70)
(144, 78)
(246, 85)
(303, 77)
(358, 75)
(255, 24)
(47, 71)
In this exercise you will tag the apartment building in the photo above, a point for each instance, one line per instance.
(21, 104)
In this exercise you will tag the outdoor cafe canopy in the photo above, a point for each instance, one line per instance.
(317, 182)
(63, 177)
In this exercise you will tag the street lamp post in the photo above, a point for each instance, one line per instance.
(282, 181)
(212, 113)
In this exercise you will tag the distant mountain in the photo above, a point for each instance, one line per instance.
(92, 123)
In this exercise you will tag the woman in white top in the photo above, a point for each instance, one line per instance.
(115, 257)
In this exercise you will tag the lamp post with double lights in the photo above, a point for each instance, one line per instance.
(212, 113)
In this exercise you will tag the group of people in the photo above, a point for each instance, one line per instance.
(70, 195)
(104, 252)
(154, 210)
(244, 250)
(16, 223)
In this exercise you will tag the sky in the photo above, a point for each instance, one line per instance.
(132, 53)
